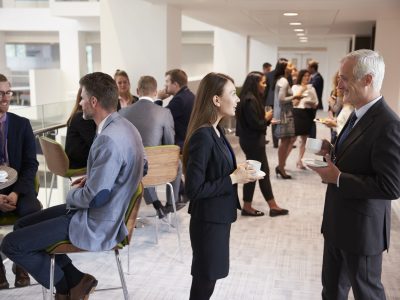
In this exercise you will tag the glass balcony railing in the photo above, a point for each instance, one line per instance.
(49, 120)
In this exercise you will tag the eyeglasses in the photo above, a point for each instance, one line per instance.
(6, 93)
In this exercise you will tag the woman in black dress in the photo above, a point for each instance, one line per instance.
(80, 136)
(251, 126)
(211, 182)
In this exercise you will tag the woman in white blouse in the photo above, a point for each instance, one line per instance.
(303, 110)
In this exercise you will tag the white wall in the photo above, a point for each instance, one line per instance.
(230, 54)
(260, 53)
(388, 46)
(197, 59)
(137, 36)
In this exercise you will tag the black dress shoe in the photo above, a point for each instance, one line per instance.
(169, 208)
(3, 279)
(160, 212)
(278, 212)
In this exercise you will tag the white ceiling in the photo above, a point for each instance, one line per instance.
(264, 20)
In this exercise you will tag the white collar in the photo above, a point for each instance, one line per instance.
(100, 127)
(363, 109)
(146, 98)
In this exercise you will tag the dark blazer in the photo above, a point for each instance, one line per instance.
(250, 115)
(21, 149)
(318, 83)
(181, 106)
(212, 196)
(357, 214)
(269, 91)
(80, 136)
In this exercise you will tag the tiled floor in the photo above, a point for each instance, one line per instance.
(271, 258)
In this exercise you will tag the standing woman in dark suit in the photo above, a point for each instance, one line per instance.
(211, 182)
(251, 126)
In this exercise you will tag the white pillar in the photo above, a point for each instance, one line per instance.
(387, 43)
(3, 60)
(139, 37)
(230, 54)
(72, 60)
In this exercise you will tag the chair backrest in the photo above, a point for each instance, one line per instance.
(56, 159)
(163, 163)
(132, 212)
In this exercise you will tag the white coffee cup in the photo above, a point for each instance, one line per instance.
(313, 145)
(255, 164)
(3, 174)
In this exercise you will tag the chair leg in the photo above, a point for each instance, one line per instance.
(44, 293)
(51, 189)
(176, 220)
(156, 229)
(129, 260)
(52, 262)
(121, 274)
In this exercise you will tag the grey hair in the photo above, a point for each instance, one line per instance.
(368, 62)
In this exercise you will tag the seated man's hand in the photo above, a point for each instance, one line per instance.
(78, 183)
(5, 206)
(12, 198)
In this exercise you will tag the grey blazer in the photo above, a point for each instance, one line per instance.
(154, 123)
(114, 171)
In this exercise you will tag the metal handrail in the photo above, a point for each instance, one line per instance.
(50, 128)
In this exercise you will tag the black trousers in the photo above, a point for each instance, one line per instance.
(342, 270)
(255, 149)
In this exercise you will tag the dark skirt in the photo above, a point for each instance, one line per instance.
(303, 120)
(210, 245)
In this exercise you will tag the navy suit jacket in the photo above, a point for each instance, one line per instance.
(318, 83)
(208, 185)
(357, 213)
(181, 106)
(21, 149)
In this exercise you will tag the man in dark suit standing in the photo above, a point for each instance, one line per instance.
(17, 150)
(181, 104)
(363, 177)
(318, 83)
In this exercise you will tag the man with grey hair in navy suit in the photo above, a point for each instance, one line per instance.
(93, 216)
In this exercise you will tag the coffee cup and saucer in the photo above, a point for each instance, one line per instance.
(314, 146)
(256, 165)
(3, 176)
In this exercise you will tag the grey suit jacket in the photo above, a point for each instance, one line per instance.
(154, 123)
(114, 171)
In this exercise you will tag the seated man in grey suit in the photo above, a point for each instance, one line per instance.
(156, 126)
(93, 216)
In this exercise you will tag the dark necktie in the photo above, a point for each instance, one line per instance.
(347, 130)
(2, 145)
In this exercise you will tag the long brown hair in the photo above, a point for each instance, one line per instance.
(204, 112)
(77, 107)
(122, 73)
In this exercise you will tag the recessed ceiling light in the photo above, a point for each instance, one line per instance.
(300, 34)
(303, 41)
(290, 14)
(298, 30)
(295, 23)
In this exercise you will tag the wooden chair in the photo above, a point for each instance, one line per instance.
(65, 247)
(163, 163)
(57, 162)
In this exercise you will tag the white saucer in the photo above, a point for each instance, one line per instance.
(260, 173)
(316, 163)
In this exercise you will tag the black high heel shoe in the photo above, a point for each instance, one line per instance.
(279, 172)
